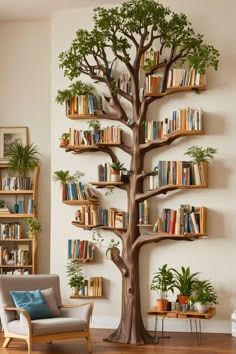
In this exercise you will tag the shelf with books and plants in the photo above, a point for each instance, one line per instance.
(18, 210)
(185, 222)
(91, 217)
(81, 251)
(92, 288)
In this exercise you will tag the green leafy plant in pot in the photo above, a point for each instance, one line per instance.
(22, 158)
(116, 168)
(203, 295)
(162, 282)
(75, 276)
(64, 139)
(184, 281)
(34, 227)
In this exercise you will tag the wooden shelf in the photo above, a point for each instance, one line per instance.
(177, 236)
(144, 225)
(86, 297)
(81, 202)
(89, 227)
(85, 147)
(17, 192)
(81, 260)
(17, 216)
(96, 115)
(176, 89)
(15, 266)
(16, 240)
(104, 184)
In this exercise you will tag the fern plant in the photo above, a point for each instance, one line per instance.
(185, 281)
(22, 158)
(64, 177)
(199, 154)
(78, 88)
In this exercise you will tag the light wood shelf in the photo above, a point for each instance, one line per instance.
(81, 202)
(176, 89)
(17, 240)
(144, 225)
(85, 147)
(16, 266)
(103, 184)
(75, 223)
(17, 216)
(86, 297)
(17, 192)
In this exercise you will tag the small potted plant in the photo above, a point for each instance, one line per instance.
(204, 295)
(162, 282)
(116, 168)
(34, 227)
(22, 158)
(75, 276)
(184, 281)
(64, 139)
(95, 125)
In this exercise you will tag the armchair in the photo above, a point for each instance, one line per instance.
(73, 321)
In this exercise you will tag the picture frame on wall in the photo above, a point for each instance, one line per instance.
(9, 136)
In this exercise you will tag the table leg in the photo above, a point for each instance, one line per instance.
(191, 327)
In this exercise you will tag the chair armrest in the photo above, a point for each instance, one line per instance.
(82, 311)
(25, 319)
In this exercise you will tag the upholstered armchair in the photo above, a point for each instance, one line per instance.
(71, 322)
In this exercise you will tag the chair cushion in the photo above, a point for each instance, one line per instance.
(50, 299)
(49, 326)
(33, 302)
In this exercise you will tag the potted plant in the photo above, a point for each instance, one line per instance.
(34, 227)
(162, 282)
(75, 276)
(64, 139)
(95, 125)
(22, 158)
(184, 281)
(204, 295)
(199, 154)
(116, 168)
(64, 177)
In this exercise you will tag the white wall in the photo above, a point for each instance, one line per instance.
(215, 256)
(25, 101)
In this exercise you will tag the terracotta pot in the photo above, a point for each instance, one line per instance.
(64, 142)
(161, 304)
(182, 299)
(115, 176)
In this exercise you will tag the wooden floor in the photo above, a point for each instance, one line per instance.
(179, 343)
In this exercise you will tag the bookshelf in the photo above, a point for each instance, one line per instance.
(17, 251)
(93, 288)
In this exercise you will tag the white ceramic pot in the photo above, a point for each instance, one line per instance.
(202, 308)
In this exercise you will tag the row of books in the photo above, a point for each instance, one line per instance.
(113, 218)
(90, 137)
(16, 183)
(14, 257)
(77, 191)
(186, 119)
(184, 220)
(22, 206)
(143, 213)
(11, 231)
(182, 173)
(124, 83)
(185, 77)
(92, 287)
(91, 215)
(86, 104)
(104, 172)
(15, 272)
(80, 250)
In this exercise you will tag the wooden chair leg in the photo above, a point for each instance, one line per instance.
(29, 343)
(88, 338)
(6, 342)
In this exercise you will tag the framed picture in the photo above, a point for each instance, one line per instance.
(9, 136)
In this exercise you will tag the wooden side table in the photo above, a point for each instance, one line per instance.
(195, 315)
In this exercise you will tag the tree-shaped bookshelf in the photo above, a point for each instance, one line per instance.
(125, 34)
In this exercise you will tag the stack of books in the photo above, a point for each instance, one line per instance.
(186, 119)
(16, 183)
(92, 287)
(143, 213)
(83, 105)
(87, 215)
(109, 135)
(77, 191)
(185, 220)
(11, 231)
(80, 250)
(185, 77)
(181, 173)
(5, 210)
(113, 218)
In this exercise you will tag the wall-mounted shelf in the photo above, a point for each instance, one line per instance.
(176, 89)
(81, 202)
(17, 192)
(104, 184)
(86, 297)
(17, 216)
(89, 227)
